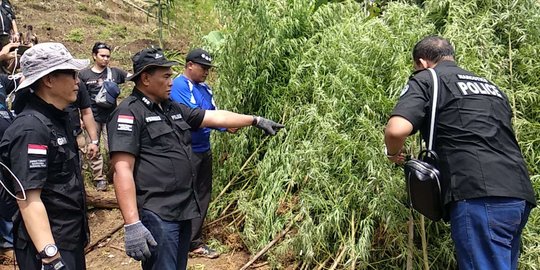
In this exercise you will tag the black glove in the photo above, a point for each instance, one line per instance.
(270, 127)
(138, 238)
(56, 264)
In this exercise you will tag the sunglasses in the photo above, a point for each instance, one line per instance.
(100, 46)
(70, 72)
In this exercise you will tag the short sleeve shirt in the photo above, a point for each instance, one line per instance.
(161, 143)
(93, 82)
(195, 95)
(478, 152)
(40, 149)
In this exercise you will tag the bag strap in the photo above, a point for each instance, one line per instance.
(433, 108)
(109, 74)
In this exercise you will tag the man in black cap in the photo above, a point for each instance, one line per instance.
(150, 147)
(191, 90)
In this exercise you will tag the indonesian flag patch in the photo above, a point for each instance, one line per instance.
(125, 119)
(37, 149)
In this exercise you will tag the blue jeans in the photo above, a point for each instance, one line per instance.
(487, 231)
(173, 239)
(6, 233)
(6, 226)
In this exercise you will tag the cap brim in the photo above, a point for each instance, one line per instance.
(73, 64)
(203, 63)
(165, 64)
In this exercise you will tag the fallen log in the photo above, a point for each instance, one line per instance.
(101, 200)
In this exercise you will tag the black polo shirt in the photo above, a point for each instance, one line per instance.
(41, 150)
(478, 152)
(93, 82)
(160, 140)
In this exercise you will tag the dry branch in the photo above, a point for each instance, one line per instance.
(410, 243)
(101, 200)
(338, 259)
(424, 242)
(272, 243)
(94, 244)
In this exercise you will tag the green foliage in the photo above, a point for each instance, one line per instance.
(332, 72)
(75, 35)
(82, 7)
(96, 21)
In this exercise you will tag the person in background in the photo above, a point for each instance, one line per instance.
(93, 78)
(191, 90)
(8, 27)
(7, 207)
(150, 148)
(83, 120)
(51, 227)
(485, 184)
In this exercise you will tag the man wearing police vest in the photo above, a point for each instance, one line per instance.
(485, 184)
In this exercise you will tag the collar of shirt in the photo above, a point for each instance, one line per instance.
(46, 109)
(444, 63)
(149, 103)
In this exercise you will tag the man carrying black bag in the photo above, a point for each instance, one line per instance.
(485, 184)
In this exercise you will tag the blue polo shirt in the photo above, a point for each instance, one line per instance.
(195, 95)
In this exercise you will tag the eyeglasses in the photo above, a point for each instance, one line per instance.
(71, 72)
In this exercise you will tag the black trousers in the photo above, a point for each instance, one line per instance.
(27, 260)
(203, 188)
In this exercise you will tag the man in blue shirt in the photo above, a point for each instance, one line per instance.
(190, 89)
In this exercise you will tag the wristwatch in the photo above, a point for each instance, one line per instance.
(49, 251)
(96, 142)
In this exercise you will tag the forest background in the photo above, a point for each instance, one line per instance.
(331, 71)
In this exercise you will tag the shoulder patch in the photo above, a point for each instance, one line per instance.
(125, 127)
(37, 149)
(126, 119)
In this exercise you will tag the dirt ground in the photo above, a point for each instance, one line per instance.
(108, 251)
(78, 24)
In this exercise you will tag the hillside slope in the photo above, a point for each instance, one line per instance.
(78, 25)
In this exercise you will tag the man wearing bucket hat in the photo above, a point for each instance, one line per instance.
(150, 146)
(50, 228)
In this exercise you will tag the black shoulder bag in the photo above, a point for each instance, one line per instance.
(421, 175)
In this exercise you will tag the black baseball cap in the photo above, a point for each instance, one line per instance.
(200, 56)
(149, 57)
